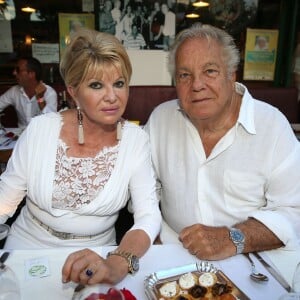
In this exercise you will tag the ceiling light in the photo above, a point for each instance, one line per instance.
(28, 9)
(2, 1)
(200, 4)
(192, 15)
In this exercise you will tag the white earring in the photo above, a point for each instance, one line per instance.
(80, 127)
(119, 130)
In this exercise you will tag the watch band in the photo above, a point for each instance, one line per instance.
(132, 260)
(238, 238)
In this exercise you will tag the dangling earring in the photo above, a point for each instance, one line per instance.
(80, 127)
(119, 130)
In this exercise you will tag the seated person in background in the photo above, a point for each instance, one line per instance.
(30, 97)
(79, 167)
(228, 164)
(134, 40)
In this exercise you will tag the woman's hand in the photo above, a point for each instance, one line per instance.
(87, 267)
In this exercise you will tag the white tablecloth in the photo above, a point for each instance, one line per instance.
(6, 142)
(159, 257)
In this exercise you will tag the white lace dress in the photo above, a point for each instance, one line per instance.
(121, 172)
(78, 181)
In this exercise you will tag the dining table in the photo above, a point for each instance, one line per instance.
(48, 284)
(8, 139)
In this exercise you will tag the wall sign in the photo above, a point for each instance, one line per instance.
(69, 23)
(260, 54)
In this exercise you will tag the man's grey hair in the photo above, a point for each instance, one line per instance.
(231, 55)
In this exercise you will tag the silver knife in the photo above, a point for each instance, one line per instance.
(78, 289)
(4, 142)
(274, 273)
(3, 258)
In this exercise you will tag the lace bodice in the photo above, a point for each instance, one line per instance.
(78, 181)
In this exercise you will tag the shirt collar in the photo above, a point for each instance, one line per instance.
(246, 115)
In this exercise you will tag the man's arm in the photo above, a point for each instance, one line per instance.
(7, 98)
(214, 243)
(46, 98)
(39, 94)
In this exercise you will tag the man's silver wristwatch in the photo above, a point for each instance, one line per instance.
(132, 260)
(238, 238)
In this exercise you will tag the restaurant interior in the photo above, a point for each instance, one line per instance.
(41, 26)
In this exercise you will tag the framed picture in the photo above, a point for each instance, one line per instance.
(260, 54)
(139, 25)
(69, 23)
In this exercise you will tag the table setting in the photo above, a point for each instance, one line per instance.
(8, 137)
(9, 283)
(38, 273)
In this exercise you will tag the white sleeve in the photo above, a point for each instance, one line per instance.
(51, 100)
(144, 201)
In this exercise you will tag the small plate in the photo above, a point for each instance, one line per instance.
(156, 279)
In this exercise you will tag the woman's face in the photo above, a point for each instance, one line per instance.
(202, 81)
(103, 99)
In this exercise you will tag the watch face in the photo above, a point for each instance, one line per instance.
(135, 263)
(237, 236)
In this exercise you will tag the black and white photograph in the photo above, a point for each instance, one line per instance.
(139, 25)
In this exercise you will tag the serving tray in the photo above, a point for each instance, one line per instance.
(153, 281)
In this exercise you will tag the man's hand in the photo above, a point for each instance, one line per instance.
(40, 90)
(207, 242)
(214, 243)
(39, 94)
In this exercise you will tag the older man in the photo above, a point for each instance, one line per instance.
(228, 164)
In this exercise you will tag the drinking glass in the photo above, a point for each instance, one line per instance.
(9, 285)
(290, 296)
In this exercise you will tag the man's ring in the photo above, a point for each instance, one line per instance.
(89, 273)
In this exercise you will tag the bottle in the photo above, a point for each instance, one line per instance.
(51, 76)
(64, 102)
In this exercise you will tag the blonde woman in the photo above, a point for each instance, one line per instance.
(79, 167)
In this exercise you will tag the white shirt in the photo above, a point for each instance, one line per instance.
(170, 24)
(135, 43)
(27, 108)
(31, 171)
(252, 171)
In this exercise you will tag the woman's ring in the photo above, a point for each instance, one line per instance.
(89, 273)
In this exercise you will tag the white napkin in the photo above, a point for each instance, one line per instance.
(287, 262)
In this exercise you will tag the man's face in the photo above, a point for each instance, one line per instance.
(23, 76)
(202, 81)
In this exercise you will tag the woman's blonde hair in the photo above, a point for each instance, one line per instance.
(89, 53)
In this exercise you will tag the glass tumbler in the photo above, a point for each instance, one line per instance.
(9, 285)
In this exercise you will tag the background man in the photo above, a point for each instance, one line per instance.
(30, 97)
